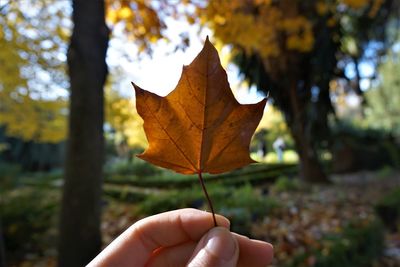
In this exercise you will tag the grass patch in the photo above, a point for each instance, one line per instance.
(133, 167)
(242, 205)
(284, 183)
(257, 173)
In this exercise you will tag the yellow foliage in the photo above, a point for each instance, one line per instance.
(112, 16)
(360, 4)
(218, 19)
(34, 120)
(274, 28)
(139, 19)
(124, 13)
(24, 112)
(355, 4)
(235, 22)
(121, 114)
(272, 120)
(262, 2)
(300, 35)
(191, 20)
(331, 22)
(321, 7)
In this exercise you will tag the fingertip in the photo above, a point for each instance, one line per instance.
(217, 248)
(254, 252)
(223, 221)
(190, 214)
(266, 249)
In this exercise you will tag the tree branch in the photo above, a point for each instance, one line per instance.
(4, 6)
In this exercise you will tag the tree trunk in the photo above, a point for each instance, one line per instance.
(310, 168)
(80, 237)
(2, 248)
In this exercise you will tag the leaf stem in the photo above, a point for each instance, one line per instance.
(208, 198)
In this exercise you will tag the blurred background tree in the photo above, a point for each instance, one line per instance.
(80, 236)
(27, 86)
(383, 110)
(294, 49)
(85, 148)
(32, 109)
(328, 39)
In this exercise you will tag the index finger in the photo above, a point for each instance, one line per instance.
(171, 228)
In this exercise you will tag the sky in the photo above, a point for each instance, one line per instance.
(160, 73)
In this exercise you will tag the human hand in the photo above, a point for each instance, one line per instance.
(185, 237)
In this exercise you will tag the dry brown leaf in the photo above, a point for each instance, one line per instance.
(199, 127)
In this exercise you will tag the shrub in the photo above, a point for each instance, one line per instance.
(124, 194)
(27, 217)
(283, 183)
(242, 205)
(359, 244)
(8, 175)
(358, 148)
(9, 169)
(388, 209)
(188, 198)
(135, 167)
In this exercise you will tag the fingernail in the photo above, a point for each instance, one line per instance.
(221, 243)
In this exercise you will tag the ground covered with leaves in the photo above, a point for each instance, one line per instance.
(320, 225)
(332, 225)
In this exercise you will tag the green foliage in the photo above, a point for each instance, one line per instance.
(242, 205)
(134, 167)
(254, 174)
(171, 200)
(8, 174)
(32, 156)
(359, 244)
(388, 208)
(285, 183)
(9, 170)
(384, 172)
(124, 194)
(391, 199)
(383, 99)
(346, 128)
(356, 148)
(28, 216)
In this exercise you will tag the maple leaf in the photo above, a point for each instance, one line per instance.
(199, 127)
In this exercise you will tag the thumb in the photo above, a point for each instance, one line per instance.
(218, 248)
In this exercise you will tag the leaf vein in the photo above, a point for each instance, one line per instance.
(170, 138)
